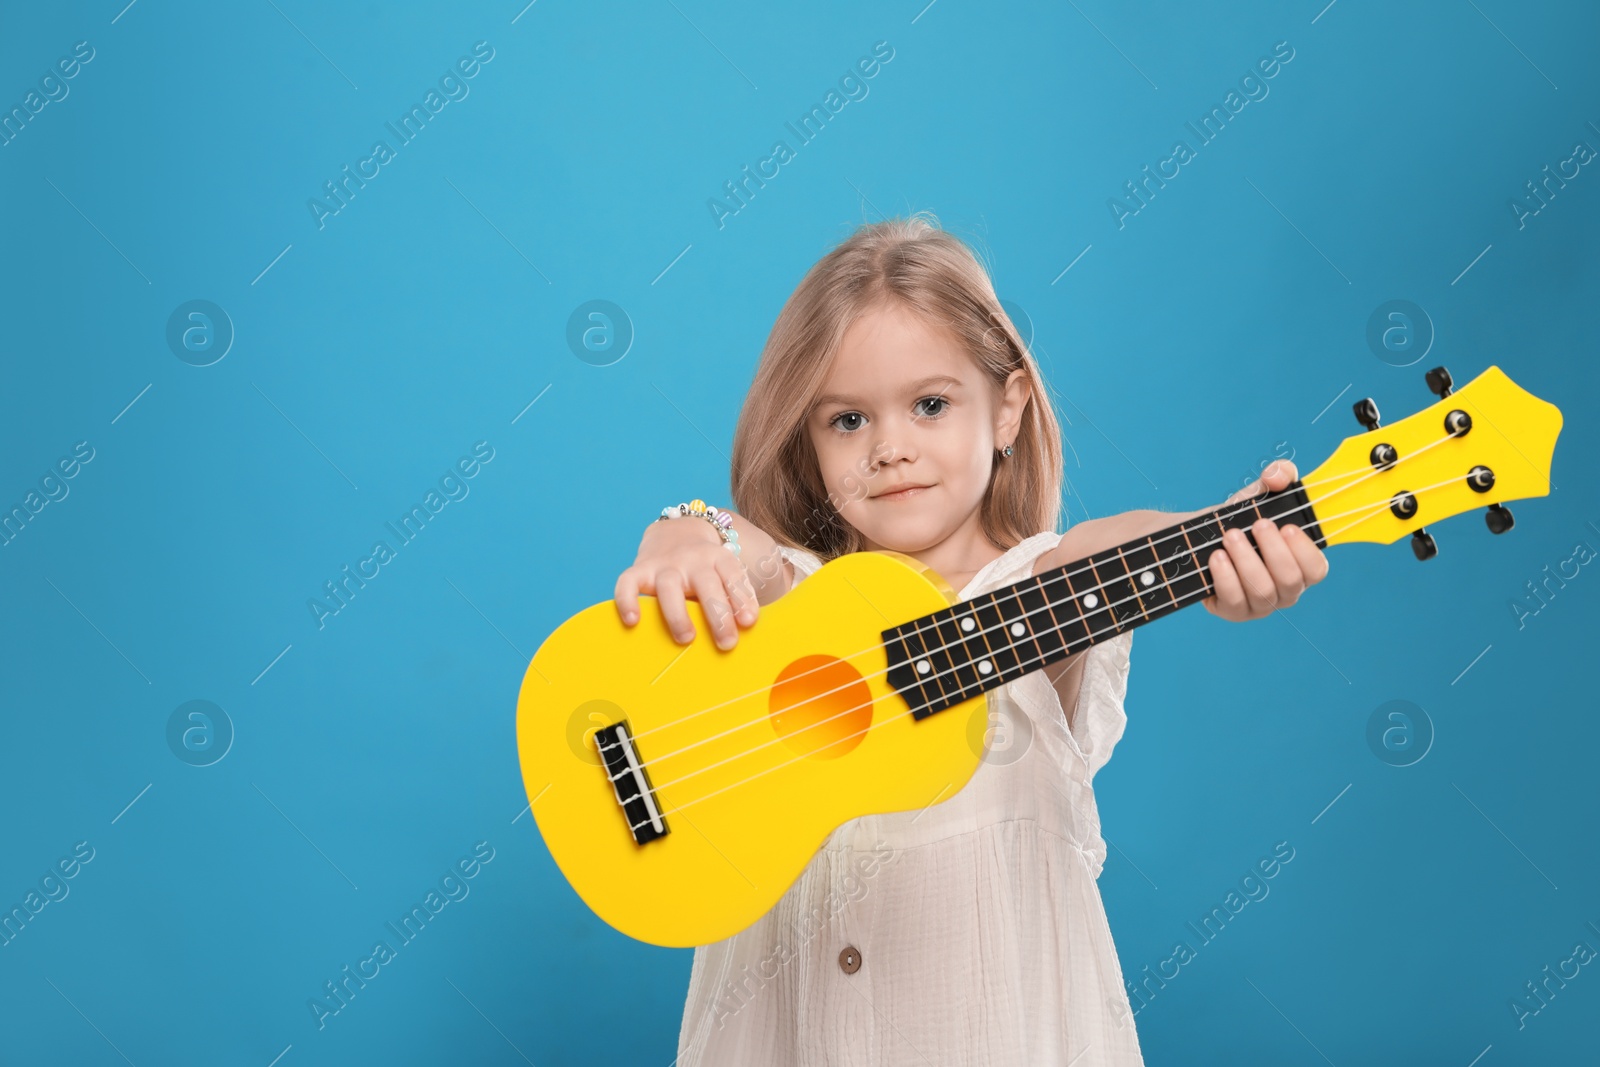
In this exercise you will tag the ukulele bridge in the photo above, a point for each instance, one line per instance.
(630, 782)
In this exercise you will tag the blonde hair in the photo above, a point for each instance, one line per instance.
(776, 480)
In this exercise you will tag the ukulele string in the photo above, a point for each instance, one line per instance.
(1021, 663)
(1050, 605)
(1360, 475)
(892, 718)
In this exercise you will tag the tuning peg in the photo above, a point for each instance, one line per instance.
(1439, 381)
(1366, 410)
(1499, 519)
(1423, 545)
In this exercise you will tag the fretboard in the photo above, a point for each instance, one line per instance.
(940, 660)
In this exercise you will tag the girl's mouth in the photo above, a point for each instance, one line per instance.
(904, 492)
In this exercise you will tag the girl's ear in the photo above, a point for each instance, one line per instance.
(1014, 396)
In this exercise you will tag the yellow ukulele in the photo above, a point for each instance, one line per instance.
(682, 789)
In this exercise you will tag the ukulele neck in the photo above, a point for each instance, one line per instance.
(952, 655)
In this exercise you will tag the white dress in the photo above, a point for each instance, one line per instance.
(976, 926)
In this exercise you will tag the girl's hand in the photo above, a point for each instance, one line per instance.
(1251, 586)
(682, 558)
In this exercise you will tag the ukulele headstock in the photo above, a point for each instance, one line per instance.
(1489, 442)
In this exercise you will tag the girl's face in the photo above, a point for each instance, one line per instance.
(905, 430)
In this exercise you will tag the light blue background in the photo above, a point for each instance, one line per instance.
(425, 316)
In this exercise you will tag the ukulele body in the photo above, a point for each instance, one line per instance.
(753, 756)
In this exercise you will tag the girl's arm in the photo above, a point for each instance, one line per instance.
(770, 574)
(684, 560)
(1251, 583)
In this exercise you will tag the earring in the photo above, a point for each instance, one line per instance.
(1006, 451)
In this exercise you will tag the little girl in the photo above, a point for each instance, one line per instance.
(895, 407)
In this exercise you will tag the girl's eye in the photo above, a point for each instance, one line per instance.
(939, 401)
(840, 421)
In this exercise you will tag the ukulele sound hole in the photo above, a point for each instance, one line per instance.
(821, 707)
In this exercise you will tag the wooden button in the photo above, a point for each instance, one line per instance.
(850, 960)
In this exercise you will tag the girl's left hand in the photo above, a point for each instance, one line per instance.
(1250, 585)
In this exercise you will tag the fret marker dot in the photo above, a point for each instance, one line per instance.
(923, 666)
(967, 624)
(1090, 601)
(1147, 578)
(984, 666)
(1017, 629)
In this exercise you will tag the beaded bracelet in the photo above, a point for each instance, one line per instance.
(721, 520)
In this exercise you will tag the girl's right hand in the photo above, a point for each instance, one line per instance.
(682, 558)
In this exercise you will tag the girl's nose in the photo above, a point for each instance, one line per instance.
(890, 448)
